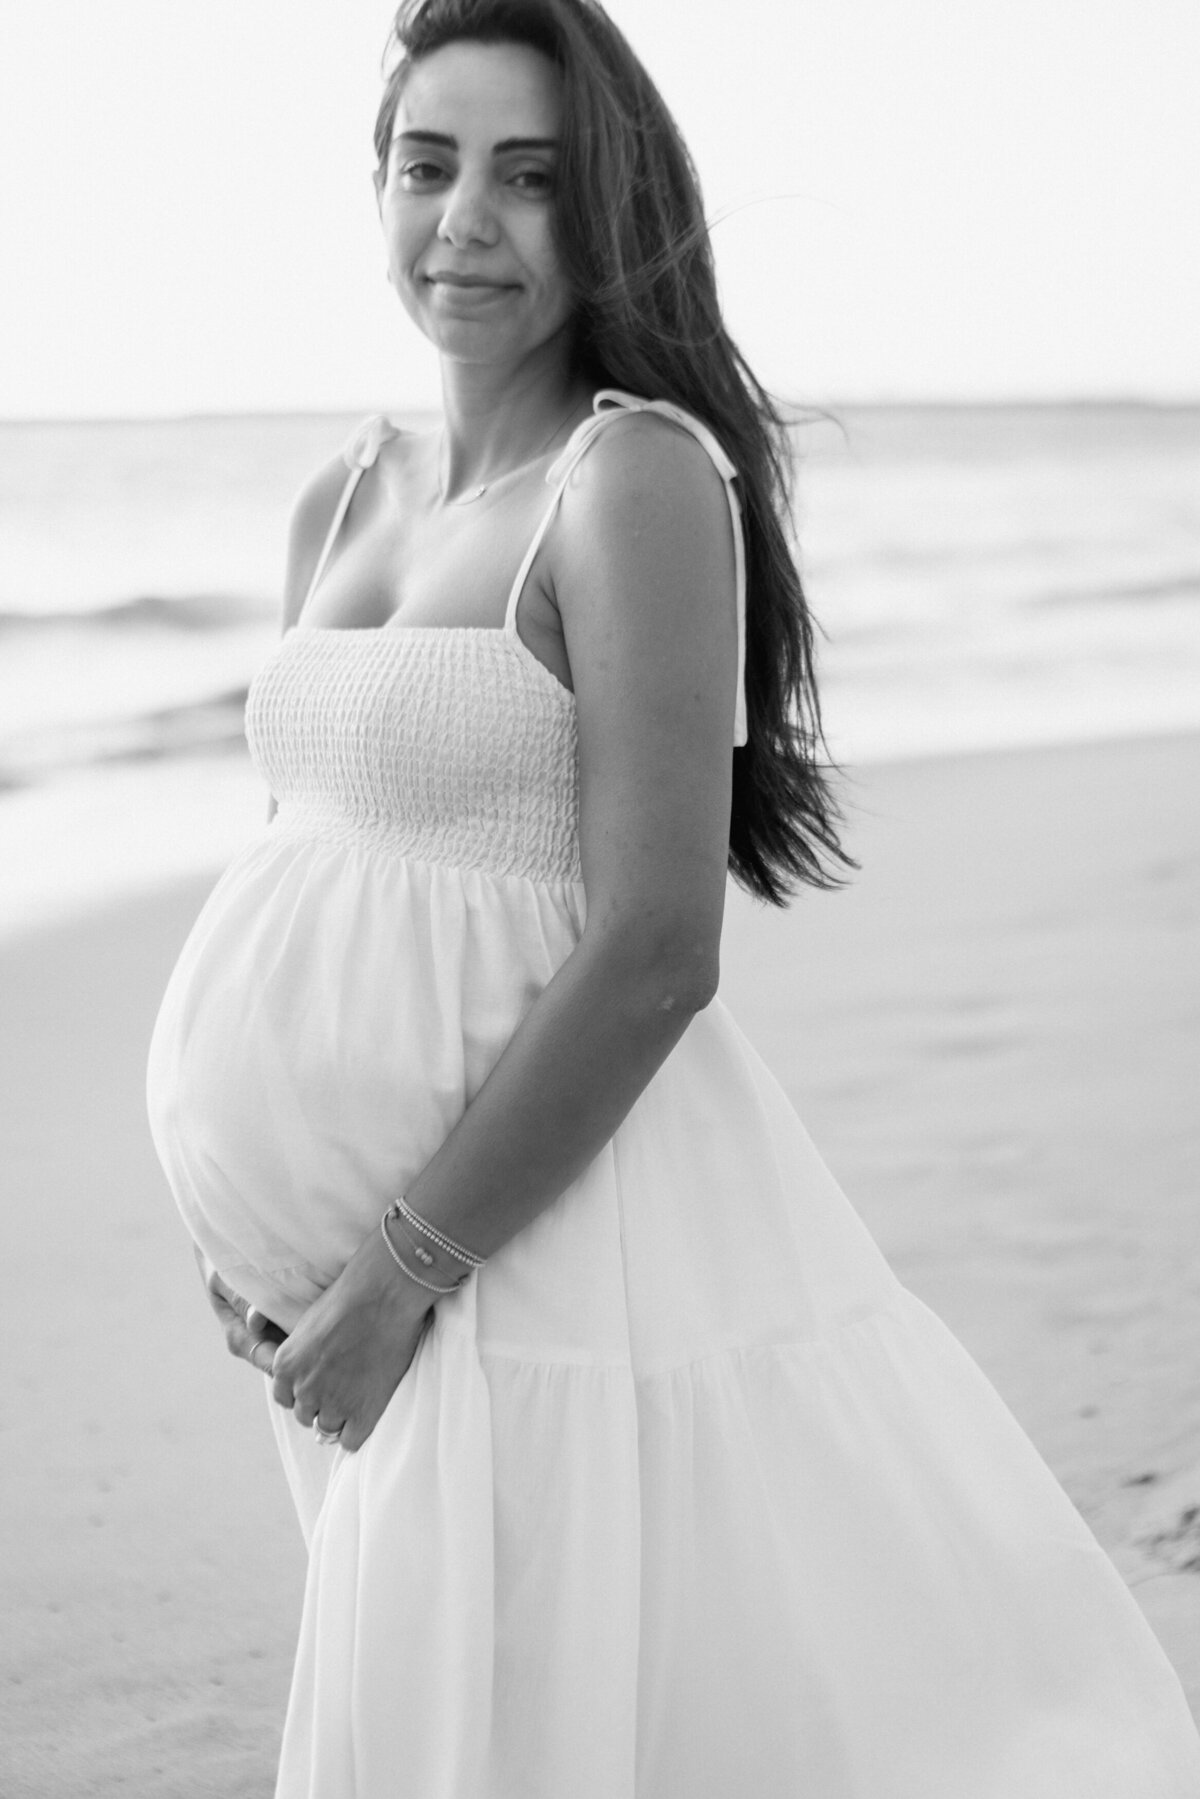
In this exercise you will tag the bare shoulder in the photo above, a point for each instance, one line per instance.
(645, 507)
(644, 458)
(315, 504)
(311, 517)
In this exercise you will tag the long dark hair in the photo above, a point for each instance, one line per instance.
(633, 238)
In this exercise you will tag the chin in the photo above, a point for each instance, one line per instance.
(475, 349)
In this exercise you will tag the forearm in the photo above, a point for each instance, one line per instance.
(586, 1049)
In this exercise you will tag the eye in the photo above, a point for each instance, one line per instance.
(533, 181)
(419, 172)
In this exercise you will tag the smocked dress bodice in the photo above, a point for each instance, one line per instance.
(452, 746)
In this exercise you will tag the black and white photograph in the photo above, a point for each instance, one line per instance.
(600, 900)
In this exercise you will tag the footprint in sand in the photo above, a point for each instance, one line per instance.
(1168, 1525)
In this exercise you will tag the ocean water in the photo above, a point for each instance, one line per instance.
(983, 577)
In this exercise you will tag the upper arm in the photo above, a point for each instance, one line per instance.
(644, 577)
(308, 528)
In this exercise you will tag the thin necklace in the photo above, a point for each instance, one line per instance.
(477, 493)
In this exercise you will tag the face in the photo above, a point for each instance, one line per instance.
(467, 202)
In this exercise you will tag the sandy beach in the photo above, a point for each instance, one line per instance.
(992, 1036)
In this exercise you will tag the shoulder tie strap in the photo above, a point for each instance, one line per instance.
(358, 453)
(609, 403)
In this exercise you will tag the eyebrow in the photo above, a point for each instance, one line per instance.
(440, 139)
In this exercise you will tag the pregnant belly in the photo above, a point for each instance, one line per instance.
(326, 1025)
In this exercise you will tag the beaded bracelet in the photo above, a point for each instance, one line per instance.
(403, 1266)
(467, 1256)
(419, 1250)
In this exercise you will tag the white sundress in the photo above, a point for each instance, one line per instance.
(684, 1496)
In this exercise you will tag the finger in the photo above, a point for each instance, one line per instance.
(230, 1321)
(229, 1306)
(281, 1391)
(259, 1328)
(218, 1288)
(258, 1325)
(354, 1435)
(239, 1342)
(259, 1353)
(304, 1412)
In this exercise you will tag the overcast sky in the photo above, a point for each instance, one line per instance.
(916, 199)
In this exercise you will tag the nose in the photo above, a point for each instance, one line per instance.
(467, 216)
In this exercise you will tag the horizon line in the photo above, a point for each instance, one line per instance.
(880, 403)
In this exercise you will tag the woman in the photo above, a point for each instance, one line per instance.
(626, 1464)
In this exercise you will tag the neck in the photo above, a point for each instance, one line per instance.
(497, 419)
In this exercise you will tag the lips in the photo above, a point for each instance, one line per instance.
(445, 278)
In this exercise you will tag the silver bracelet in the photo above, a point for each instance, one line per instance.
(419, 1250)
(403, 1265)
(423, 1225)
